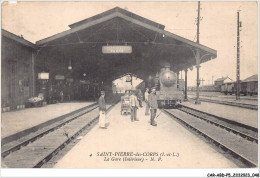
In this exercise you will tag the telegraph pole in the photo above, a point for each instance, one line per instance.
(198, 56)
(238, 57)
(198, 24)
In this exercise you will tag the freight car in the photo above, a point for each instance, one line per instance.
(251, 85)
(246, 88)
(252, 88)
(228, 88)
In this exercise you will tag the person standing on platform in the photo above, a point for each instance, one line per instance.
(146, 94)
(61, 96)
(140, 98)
(126, 95)
(152, 101)
(134, 106)
(69, 91)
(102, 110)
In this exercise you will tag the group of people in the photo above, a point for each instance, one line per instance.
(136, 98)
(151, 104)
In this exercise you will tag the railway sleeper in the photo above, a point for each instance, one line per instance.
(234, 154)
(220, 125)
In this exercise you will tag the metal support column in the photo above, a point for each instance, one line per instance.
(178, 75)
(198, 76)
(185, 96)
(131, 81)
(33, 66)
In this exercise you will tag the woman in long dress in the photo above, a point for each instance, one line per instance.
(102, 110)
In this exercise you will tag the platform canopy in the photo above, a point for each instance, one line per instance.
(147, 47)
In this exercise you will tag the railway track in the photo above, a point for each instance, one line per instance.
(245, 131)
(230, 103)
(37, 149)
(13, 145)
(220, 95)
(22, 135)
(240, 145)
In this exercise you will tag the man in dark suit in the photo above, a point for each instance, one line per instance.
(146, 95)
(152, 101)
(140, 97)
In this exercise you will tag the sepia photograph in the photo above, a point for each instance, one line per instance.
(130, 85)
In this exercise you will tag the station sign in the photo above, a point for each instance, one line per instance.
(43, 76)
(59, 77)
(117, 49)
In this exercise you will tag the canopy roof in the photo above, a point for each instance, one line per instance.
(122, 11)
(18, 39)
(152, 46)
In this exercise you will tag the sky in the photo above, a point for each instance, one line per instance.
(218, 28)
(122, 85)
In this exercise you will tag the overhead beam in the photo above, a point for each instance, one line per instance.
(74, 30)
(163, 32)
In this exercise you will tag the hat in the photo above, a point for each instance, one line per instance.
(153, 88)
(102, 92)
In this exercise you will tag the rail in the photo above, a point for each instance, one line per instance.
(230, 103)
(245, 131)
(223, 139)
(50, 141)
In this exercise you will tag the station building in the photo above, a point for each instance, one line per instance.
(86, 58)
(220, 81)
(18, 83)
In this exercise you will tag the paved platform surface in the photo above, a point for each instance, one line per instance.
(223, 97)
(230, 99)
(16, 121)
(123, 135)
(242, 115)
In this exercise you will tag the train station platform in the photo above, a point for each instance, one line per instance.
(126, 144)
(229, 98)
(17, 121)
(232, 99)
(241, 115)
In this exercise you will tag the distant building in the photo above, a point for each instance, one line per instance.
(253, 78)
(222, 80)
(127, 81)
(250, 85)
